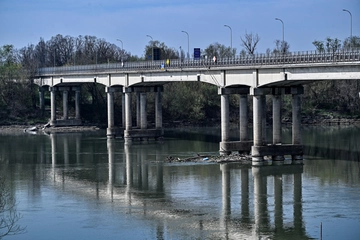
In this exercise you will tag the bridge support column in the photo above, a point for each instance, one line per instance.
(110, 133)
(77, 102)
(276, 98)
(143, 132)
(244, 133)
(128, 117)
(158, 108)
(53, 105)
(123, 109)
(225, 132)
(257, 160)
(138, 109)
(296, 122)
(244, 145)
(65, 91)
(143, 113)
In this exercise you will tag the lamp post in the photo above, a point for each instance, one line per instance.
(230, 35)
(350, 24)
(122, 47)
(152, 47)
(188, 55)
(282, 28)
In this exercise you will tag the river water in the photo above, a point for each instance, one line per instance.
(84, 186)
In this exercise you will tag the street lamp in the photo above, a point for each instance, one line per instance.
(152, 47)
(121, 43)
(188, 55)
(350, 24)
(122, 47)
(230, 35)
(282, 28)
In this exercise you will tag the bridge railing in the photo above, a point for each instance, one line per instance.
(250, 60)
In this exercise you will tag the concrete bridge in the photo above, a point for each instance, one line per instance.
(257, 76)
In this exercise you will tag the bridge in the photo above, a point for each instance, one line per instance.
(256, 76)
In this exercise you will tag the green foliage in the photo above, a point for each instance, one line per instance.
(219, 50)
(192, 101)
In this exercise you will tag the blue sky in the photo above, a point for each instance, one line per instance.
(24, 22)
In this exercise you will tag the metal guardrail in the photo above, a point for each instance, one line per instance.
(259, 59)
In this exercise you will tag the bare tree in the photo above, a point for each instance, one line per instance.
(249, 42)
(8, 214)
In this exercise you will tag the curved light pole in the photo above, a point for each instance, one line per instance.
(230, 35)
(122, 47)
(282, 28)
(121, 43)
(350, 24)
(188, 55)
(152, 47)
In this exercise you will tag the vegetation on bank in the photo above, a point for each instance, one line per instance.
(185, 102)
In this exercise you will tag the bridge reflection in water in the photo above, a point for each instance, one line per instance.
(182, 201)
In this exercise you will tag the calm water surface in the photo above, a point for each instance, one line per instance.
(84, 186)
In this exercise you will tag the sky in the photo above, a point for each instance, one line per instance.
(24, 22)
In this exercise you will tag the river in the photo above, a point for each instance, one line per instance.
(84, 186)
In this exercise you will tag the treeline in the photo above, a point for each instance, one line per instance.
(192, 102)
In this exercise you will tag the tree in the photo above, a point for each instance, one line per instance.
(351, 43)
(219, 50)
(9, 216)
(249, 42)
(165, 51)
(330, 46)
(281, 47)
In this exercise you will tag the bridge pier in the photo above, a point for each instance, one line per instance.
(244, 145)
(65, 121)
(112, 131)
(142, 131)
(277, 150)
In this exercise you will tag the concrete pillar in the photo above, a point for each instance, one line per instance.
(158, 109)
(123, 109)
(296, 119)
(276, 119)
(41, 99)
(128, 122)
(77, 103)
(225, 130)
(257, 120)
(263, 122)
(65, 104)
(53, 105)
(128, 117)
(278, 159)
(110, 111)
(138, 114)
(244, 133)
(143, 113)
